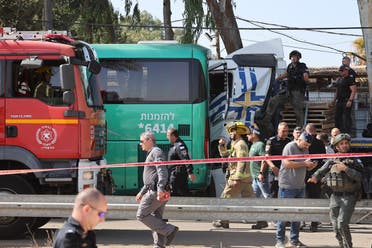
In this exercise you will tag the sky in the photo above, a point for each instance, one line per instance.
(292, 13)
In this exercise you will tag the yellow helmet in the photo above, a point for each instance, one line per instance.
(239, 127)
(44, 69)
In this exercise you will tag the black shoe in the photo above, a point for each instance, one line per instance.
(171, 236)
(221, 223)
(314, 227)
(302, 225)
(260, 225)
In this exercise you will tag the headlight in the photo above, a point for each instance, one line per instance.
(88, 175)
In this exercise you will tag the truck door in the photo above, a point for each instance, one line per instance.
(35, 113)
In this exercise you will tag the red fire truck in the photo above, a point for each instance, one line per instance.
(51, 118)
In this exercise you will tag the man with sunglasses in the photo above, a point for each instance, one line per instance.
(90, 208)
(154, 194)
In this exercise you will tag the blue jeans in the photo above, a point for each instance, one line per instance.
(295, 226)
(261, 189)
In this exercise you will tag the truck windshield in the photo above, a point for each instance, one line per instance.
(152, 81)
(90, 87)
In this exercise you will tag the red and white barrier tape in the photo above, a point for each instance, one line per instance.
(195, 161)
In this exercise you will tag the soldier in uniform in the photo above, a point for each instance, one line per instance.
(153, 196)
(345, 175)
(238, 175)
(297, 75)
(90, 208)
(178, 174)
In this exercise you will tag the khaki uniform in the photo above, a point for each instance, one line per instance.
(44, 92)
(237, 171)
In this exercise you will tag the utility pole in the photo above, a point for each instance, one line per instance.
(48, 15)
(365, 14)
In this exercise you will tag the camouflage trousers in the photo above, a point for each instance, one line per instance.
(341, 210)
(295, 98)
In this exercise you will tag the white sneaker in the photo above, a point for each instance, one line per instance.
(279, 244)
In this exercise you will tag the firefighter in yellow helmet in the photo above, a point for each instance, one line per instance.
(238, 178)
(43, 89)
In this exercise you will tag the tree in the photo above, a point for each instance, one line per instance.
(224, 18)
(134, 34)
(194, 18)
(86, 18)
(21, 14)
(93, 15)
(360, 50)
(167, 13)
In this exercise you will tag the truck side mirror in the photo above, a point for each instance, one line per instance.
(94, 67)
(68, 97)
(67, 76)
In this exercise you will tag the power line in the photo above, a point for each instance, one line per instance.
(258, 28)
(298, 40)
(320, 30)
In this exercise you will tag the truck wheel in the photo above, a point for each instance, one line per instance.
(39, 222)
(11, 227)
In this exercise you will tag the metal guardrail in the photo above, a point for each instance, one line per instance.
(187, 208)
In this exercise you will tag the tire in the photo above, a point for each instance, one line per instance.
(39, 222)
(13, 227)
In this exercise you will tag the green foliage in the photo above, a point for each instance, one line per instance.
(360, 50)
(144, 29)
(90, 20)
(96, 21)
(21, 14)
(193, 16)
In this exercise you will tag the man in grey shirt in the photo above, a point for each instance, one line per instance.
(292, 184)
(153, 196)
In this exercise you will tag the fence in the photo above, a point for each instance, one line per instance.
(187, 208)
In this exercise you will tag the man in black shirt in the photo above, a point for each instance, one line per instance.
(346, 62)
(178, 174)
(344, 97)
(274, 146)
(313, 190)
(90, 208)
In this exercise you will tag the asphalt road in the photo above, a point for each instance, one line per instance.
(131, 233)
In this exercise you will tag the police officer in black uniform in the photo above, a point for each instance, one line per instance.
(90, 208)
(344, 97)
(275, 146)
(178, 174)
(344, 178)
(346, 62)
